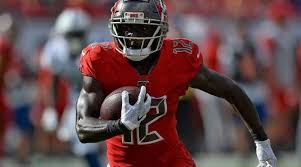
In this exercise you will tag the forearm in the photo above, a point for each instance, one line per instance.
(89, 127)
(245, 108)
(221, 86)
(91, 130)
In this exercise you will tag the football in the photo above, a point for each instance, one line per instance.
(111, 106)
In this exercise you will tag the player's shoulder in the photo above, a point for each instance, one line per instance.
(176, 41)
(95, 56)
(183, 48)
(98, 50)
(170, 39)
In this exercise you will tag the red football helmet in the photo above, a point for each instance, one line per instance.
(139, 27)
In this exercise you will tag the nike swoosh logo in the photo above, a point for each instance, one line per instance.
(139, 118)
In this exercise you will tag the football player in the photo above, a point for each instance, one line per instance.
(146, 135)
(5, 62)
(59, 61)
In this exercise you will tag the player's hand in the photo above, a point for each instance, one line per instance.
(265, 154)
(132, 115)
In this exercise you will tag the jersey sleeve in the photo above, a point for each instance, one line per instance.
(88, 55)
(189, 53)
(196, 58)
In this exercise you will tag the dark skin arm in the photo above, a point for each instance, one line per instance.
(90, 128)
(221, 86)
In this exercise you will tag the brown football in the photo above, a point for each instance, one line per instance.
(111, 106)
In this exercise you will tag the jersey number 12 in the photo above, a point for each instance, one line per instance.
(143, 135)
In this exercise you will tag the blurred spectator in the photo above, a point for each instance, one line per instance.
(298, 130)
(61, 84)
(212, 46)
(19, 89)
(223, 28)
(297, 4)
(5, 59)
(36, 8)
(93, 7)
(276, 38)
(298, 61)
(6, 67)
(189, 124)
(218, 131)
(248, 77)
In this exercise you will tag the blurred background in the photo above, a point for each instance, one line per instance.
(255, 42)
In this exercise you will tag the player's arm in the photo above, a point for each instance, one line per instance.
(221, 86)
(89, 127)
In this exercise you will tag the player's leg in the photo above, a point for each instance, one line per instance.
(25, 126)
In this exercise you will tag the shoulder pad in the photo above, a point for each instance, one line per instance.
(185, 46)
(188, 50)
(94, 50)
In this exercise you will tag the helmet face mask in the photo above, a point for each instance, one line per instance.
(138, 34)
(135, 31)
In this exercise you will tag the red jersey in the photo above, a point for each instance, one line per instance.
(155, 142)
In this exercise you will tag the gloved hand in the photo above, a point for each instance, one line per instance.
(265, 154)
(132, 115)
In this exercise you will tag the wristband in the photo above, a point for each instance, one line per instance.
(259, 134)
(116, 128)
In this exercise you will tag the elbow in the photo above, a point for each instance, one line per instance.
(83, 139)
(86, 136)
(235, 94)
(82, 135)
